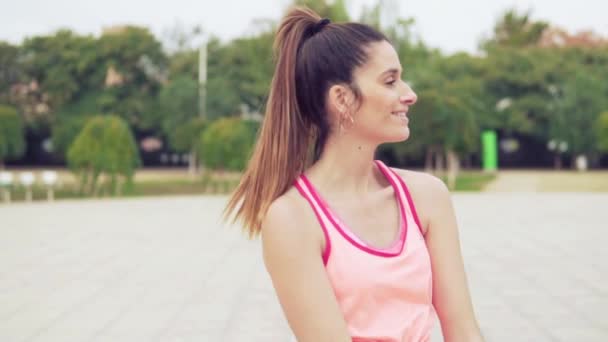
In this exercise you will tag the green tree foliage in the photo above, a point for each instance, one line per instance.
(10, 69)
(178, 103)
(239, 74)
(64, 131)
(105, 148)
(521, 79)
(12, 140)
(184, 63)
(227, 143)
(69, 68)
(601, 132)
(515, 30)
(63, 64)
(70, 119)
(181, 123)
(137, 56)
(334, 10)
(580, 101)
(187, 135)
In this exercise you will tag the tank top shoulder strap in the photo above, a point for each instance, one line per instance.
(403, 191)
(315, 204)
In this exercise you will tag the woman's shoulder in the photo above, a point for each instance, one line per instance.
(422, 182)
(428, 193)
(288, 206)
(289, 221)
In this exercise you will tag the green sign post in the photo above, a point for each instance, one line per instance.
(489, 150)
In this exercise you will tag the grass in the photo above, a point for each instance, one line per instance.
(471, 180)
(139, 189)
(147, 182)
(177, 182)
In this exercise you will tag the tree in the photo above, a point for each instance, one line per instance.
(134, 66)
(227, 143)
(185, 138)
(104, 148)
(516, 30)
(12, 141)
(601, 132)
(64, 131)
(581, 100)
(518, 82)
(63, 65)
(334, 10)
(178, 103)
(180, 119)
(10, 70)
(239, 74)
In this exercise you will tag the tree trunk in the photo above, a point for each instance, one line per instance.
(118, 186)
(95, 180)
(557, 161)
(439, 162)
(453, 168)
(87, 174)
(192, 164)
(428, 159)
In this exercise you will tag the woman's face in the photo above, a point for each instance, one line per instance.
(381, 115)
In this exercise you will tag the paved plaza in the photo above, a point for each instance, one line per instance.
(165, 269)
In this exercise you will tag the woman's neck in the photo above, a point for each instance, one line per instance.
(346, 168)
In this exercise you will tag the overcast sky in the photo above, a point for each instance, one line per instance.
(449, 25)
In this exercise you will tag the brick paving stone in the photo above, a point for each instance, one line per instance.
(166, 269)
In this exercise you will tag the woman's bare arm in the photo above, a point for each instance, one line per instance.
(451, 297)
(293, 259)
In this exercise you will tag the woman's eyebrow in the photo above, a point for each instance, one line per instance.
(390, 71)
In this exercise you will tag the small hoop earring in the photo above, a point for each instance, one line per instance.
(346, 121)
(350, 121)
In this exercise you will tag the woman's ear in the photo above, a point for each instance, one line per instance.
(339, 98)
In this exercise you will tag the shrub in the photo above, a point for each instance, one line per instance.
(105, 148)
(227, 143)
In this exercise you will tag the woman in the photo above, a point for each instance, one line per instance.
(356, 251)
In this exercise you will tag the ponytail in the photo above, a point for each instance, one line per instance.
(282, 150)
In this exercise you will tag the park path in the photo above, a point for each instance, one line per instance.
(515, 181)
(549, 181)
(164, 269)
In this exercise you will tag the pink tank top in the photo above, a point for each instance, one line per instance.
(385, 294)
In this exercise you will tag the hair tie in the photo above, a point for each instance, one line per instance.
(319, 25)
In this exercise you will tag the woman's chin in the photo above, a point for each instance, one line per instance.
(402, 135)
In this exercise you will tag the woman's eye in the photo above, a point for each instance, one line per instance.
(390, 82)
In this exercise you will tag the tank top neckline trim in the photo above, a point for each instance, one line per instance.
(393, 250)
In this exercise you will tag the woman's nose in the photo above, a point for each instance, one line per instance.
(409, 97)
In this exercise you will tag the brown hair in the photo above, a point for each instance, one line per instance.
(311, 56)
